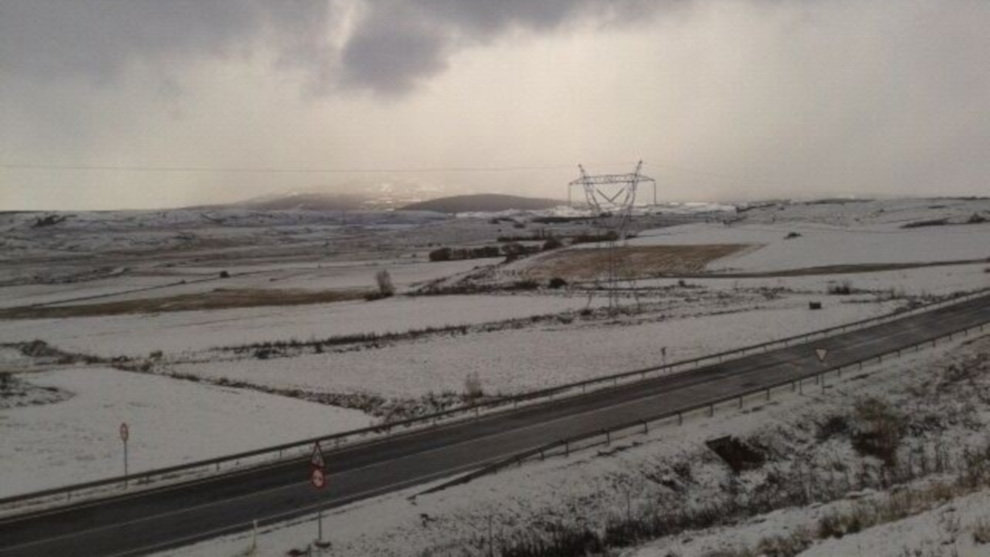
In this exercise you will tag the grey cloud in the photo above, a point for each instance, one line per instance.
(44, 39)
(392, 47)
(399, 43)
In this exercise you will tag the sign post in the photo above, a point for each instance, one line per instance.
(125, 433)
(318, 478)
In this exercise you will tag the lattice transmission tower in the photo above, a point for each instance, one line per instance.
(611, 198)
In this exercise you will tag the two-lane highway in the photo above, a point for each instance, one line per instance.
(157, 519)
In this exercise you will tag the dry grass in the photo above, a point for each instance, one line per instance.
(630, 261)
(220, 298)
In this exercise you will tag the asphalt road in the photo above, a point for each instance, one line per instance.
(171, 516)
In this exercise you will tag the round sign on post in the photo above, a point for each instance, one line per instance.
(124, 432)
(318, 478)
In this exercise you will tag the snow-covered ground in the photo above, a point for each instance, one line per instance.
(921, 281)
(513, 341)
(670, 470)
(543, 355)
(170, 422)
(140, 334)
(820, 245)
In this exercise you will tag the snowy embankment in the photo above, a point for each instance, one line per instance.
(171, 422)
(821, 245)
(670, 474)
(138, 335)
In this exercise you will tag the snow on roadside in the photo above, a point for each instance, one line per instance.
(171, 422)
(590, 487)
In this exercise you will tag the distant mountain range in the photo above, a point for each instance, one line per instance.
(305, 202)
(485, 202)
(318, 201)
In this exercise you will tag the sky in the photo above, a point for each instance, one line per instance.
(108, 104)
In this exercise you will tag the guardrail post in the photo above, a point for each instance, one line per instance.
(768, 393)
(823, 382)
(567, 448)
(608, 437)
(680, 418)
(646, 427)
(711, 410)
(740, 402)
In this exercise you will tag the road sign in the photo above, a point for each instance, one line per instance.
(125, 432)
(316, 460)
(318, 478)
(821, 353)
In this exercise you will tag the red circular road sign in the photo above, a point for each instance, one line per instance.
(124, 432)
(318, 478)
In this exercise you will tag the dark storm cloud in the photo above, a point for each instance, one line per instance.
(398, 43)
(391, 46)
(97, 39)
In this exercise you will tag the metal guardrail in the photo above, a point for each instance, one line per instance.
(643, 423)
(300, 449)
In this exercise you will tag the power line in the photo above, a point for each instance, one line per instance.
(279, 170)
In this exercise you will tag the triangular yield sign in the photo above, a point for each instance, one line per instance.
(316, 460)
(821, 353)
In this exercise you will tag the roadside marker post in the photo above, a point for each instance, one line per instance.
(316, 459)
(318, 478)
(125, 433)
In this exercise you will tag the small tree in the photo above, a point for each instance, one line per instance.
(385, 286)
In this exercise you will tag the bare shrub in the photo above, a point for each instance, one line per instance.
(877, 430)
(472, 386)
(384, 281)
(843, 288)
(981, 532)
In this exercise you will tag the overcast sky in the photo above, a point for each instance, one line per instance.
(133, 103)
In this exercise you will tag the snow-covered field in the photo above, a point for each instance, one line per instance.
(514, 340)
(538, 356)
(821, 245)
(170, 422)
(175, 332)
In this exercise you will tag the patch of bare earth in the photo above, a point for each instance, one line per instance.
(630, 261)
(220, 298)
